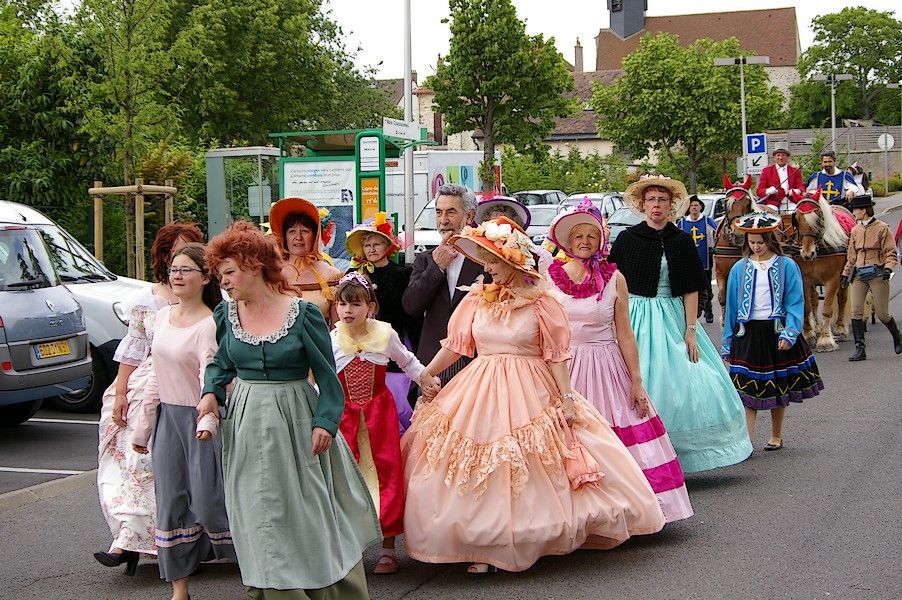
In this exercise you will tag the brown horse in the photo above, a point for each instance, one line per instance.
(727, 243)
(821, 257)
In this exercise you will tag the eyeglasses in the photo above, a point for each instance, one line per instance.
(183, 271)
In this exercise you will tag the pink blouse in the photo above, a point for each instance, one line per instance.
(180, 357)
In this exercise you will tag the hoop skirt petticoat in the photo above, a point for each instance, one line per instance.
(484, 460)
(696, 401)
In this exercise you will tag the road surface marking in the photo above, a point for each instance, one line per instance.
(66, 421)
(40, 471)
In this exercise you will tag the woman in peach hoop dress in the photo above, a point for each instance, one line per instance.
(485, 459)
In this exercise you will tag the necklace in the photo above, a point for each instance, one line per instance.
(762, 265)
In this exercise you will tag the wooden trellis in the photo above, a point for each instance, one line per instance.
(139, 190)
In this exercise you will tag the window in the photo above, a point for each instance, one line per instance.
(24, 264)
(71, 261)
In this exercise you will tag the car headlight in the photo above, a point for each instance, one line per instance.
(120, 313)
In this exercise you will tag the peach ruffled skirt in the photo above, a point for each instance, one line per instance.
(485, 476)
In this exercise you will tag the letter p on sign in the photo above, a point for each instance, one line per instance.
(756, 143)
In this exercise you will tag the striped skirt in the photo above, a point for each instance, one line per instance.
(192, 526)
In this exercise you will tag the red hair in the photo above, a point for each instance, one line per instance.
(161, 249)
(250, 249)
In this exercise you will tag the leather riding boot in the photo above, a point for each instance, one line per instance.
(858, 335)
(897, 338)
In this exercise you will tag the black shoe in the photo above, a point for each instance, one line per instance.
(769, 447)
(897, 338)
(858, 335)
(127, 557)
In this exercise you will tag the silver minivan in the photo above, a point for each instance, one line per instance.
(43, 342)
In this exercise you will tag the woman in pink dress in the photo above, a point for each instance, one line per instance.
(486, 463)
(605, 363)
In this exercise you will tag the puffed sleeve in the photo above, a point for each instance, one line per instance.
(220, 371)
(134, 348)
(318, 347)
(460, 327)
(404, 358)
(554, 329)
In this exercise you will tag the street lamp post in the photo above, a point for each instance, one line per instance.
(742, 61)
(897, 86)
(832, 78)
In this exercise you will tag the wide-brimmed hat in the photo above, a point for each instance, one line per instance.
(279, 212)
(378, 225)
(756, 222)
(485, 207)
(503, 238)
(864, 201)
(586, 213)
(680, 197)
(781, 148)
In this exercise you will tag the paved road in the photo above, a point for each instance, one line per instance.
(819, 519)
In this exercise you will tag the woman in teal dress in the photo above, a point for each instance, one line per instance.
(299, 510)
(684, 376)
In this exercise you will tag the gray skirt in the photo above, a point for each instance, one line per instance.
(192, 525)
(298, 521)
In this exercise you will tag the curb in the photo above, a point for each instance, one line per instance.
(48, 489)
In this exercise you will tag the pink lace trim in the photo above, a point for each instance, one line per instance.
(470, 464)
(588, 286)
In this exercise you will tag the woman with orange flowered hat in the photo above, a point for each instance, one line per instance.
(302, 230)
(507, 463)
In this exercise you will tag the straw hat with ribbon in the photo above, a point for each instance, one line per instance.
(586, 213)
(378, 225)
(501, 237)
(633, 196)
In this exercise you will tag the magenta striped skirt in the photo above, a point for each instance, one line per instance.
(599, 373)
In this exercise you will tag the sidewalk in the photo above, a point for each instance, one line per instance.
(888, 204)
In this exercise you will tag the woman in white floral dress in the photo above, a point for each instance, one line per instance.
(124, 477)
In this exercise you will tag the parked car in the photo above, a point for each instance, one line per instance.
(531, 197)
(714, 205)
(425, 234)
(43, 342)
(541, 217)
(99, 292)
(621, 219)
(607, 202)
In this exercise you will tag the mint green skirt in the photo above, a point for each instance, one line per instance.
(697, 402)
(298, 521)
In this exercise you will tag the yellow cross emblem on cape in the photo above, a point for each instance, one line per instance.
(696, 236)
(829, 192)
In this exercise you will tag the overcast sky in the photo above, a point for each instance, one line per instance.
(377, 26)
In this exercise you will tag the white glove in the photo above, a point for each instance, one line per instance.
(770, 191)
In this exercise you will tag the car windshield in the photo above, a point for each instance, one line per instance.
(530, 199)
(624, 216)
(24, 264)
(70, 259)
(542, 215)
(426, 219)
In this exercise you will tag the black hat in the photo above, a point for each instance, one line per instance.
(695, 198)
(861, 202)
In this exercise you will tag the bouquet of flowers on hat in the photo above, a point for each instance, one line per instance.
(511, 243)
(326, 226)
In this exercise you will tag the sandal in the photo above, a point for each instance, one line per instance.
(481, 569)
(386, 565)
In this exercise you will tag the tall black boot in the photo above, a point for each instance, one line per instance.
(894, 331)
(858, 334)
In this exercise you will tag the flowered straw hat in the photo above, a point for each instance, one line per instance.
(321, 216)
(756, 222)
(378, 225)
(485, 207)
(503, 238)
(586, 213)
(635, 191)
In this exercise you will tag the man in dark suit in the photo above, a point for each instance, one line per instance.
(432, 293)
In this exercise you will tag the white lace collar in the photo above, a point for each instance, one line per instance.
(241, 335)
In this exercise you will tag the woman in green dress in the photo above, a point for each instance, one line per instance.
(299, 510)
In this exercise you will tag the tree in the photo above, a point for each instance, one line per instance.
(670, 98)
(497, 79)
(862, 42)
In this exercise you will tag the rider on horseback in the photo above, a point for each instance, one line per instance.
(780, 185)
(837, 187)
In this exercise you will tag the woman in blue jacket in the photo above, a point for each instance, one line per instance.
(770, 364)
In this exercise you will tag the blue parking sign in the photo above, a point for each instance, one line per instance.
(756, 143)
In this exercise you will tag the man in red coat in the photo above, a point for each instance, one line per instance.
(780, 185)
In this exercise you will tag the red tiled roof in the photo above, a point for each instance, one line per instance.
(582, 124)
(771, 32)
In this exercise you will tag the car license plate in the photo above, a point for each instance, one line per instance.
(51, 349)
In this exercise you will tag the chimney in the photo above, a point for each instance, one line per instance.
(413, 78)
(578, 57)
